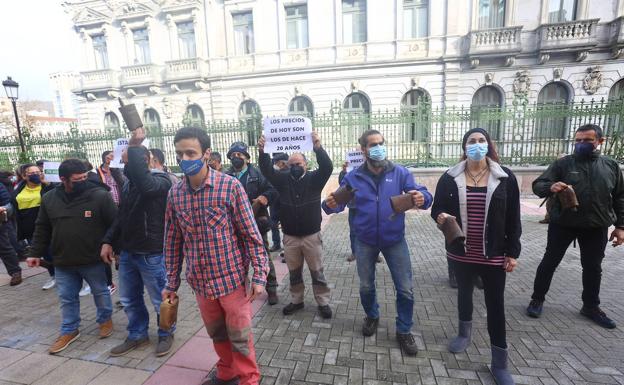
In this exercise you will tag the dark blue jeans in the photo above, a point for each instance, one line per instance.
(136, 272)
(68, 284)
(398, 259)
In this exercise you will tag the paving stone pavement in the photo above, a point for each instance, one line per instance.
(560, 348)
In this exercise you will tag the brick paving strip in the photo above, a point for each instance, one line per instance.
(560, 348)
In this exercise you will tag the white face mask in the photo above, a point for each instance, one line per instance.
(276, 168)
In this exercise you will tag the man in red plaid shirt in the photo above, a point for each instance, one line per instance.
(210, 223)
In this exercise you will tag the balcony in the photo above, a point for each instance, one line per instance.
(578, 35)
(186, 69)
(496, 41)
(99, 80)
(141, 75)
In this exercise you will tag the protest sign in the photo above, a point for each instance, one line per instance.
(50, 171)
(120, 145)
(355, 159)
(287, 134)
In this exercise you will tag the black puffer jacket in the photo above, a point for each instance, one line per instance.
(255, 185)
(140, 225)
(300, 200)
(599, 187)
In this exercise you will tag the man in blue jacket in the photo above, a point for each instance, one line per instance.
(378, 229)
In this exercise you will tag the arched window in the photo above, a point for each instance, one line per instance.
(357, 103)
(416, 113)
(151, 122)
(357, 110)
(617, 90)
(194, 116)
(301, 105)
(613, 124)
(552, 105)
(251, 119)
(486, 107)
(111, 122)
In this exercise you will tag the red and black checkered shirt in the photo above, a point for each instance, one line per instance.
(215, 230)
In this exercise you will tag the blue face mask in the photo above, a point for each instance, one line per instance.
(191, 167)
(584, 149)
(377, 152)
(476, 151)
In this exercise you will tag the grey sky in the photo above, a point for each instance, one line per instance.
(36, 38)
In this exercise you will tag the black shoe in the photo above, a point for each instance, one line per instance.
(326, 311)
(212, 379)
(370, 326)
(598, 316)
(535, 308)
(292, 307)
(407, 343)
(275, 248)
(273, 299)
(478, 282)
(164, 345)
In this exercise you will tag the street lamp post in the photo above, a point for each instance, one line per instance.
(11, 89)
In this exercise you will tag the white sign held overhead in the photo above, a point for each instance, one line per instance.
(355, 159)
(50, 171)
(287, 134)
(120, 145)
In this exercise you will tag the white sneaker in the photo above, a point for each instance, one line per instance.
(49, 285)
(86, 290)
(112, 289)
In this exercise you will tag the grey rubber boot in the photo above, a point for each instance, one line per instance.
(499, 366)
(461, 342)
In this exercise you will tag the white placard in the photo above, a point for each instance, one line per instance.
(287, 134)
(50, 172)
(120, 145)
(355, 159)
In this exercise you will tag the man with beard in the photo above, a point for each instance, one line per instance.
(261, 194)
(141, 261)
(72, 220)
(599, 187)
(379, 229)
(300, 215)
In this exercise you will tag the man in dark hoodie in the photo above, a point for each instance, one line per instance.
(138, 232)
(261, 193)
(73, 219)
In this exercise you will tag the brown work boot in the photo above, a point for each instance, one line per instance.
(63, 342)
(16, 279)
(106, 329)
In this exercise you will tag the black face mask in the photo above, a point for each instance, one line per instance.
(79, 187)
(296, 171)
(237, 163)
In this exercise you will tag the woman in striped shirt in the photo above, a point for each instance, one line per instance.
(485, 200)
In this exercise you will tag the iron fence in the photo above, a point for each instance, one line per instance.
(420, 136)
